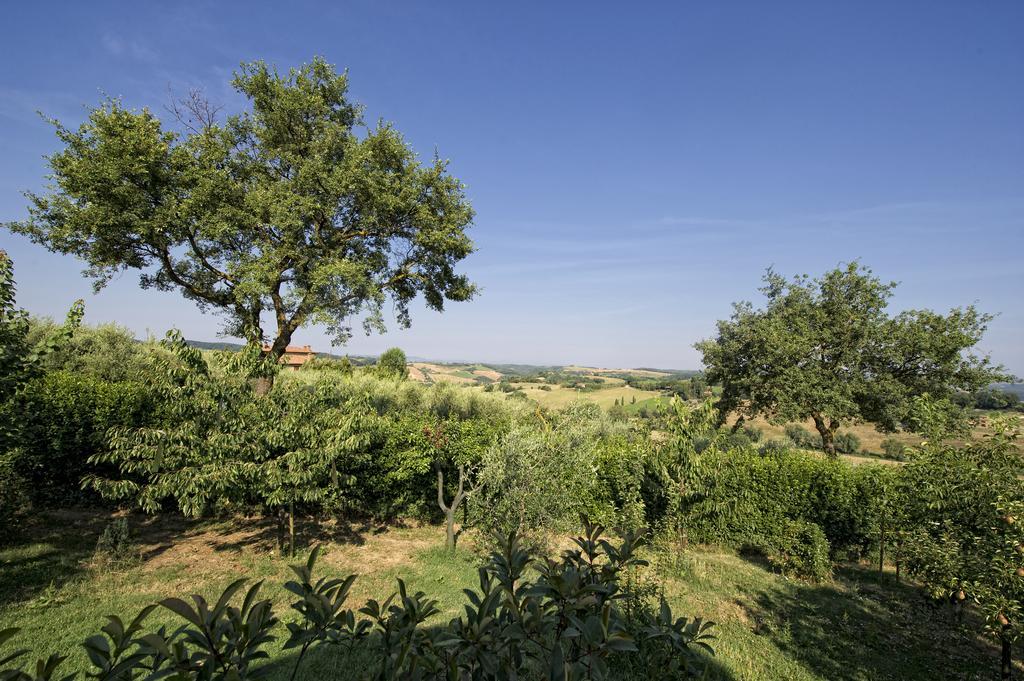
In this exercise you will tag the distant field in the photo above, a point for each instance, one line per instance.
(650, 404)
(443, 373)
(559, 396)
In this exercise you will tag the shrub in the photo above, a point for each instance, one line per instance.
(752, 433)
(114, 546)
(541, 480)
(392, 364)
(747, 496)
(66, 418)
(739, 440)
(894, 449)
(776, 445)
(847, 443)
(14, 497)
(800, 549)
(107, 352)
(803, 438)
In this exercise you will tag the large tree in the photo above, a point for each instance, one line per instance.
(826, 349)
(292, 207)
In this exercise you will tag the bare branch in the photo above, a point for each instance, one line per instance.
(194, 111)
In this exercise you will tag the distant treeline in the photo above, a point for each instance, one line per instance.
(992, 397)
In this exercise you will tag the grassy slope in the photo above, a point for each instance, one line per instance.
(769, 627)
(559, 396)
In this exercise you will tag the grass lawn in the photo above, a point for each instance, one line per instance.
(770, 627)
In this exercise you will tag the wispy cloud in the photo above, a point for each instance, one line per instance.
(128, 47)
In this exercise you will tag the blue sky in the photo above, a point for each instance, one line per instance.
(634, 167)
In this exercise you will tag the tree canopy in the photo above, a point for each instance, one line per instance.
(826, 349)
(392, 362)
(292, 207)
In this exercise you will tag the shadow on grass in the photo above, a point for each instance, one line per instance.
(266, 534)
(863, 627)
(340, 663)
(56, 547)
(51, 551)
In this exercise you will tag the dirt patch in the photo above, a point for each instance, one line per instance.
(209, 550)
(380, 552)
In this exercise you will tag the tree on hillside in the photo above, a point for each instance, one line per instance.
(392, 363)
(292, 207)
(825, 349)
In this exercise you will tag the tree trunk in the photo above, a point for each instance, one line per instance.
(291, 529)
(280, 531)
(263, 384)
(881, 549)
(449, 511)
(827, 433)
(1006, 659)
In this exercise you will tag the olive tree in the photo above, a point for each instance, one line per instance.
(292, 208)
(826, 349)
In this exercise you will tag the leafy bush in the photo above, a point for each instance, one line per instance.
(800, 549)
(739, 440)
(535, 482)
(66, 419)
(747, 496)
(569, 618)
(803, 438)
(753, 434)
(994, 398)
(14, 496)
(894, 449)
(115, 547)
(961, 529)
(21, 361)
(776, 445)
(847, 443)
(107, 352)
(392, 364)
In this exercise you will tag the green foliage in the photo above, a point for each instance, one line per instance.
(826, 349)
(115, 547)
(535, 482)
(959, 525)
(802, 438)
(66, 418)
(14, 496)
(894, 449)
(989, 398)
(799, 548)
(291, 207)
(312, 442)
(21, 361)
(575, 617)
(107, 352)
(747, 498)
(621, 461)
(847, 443)
(392, 364)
